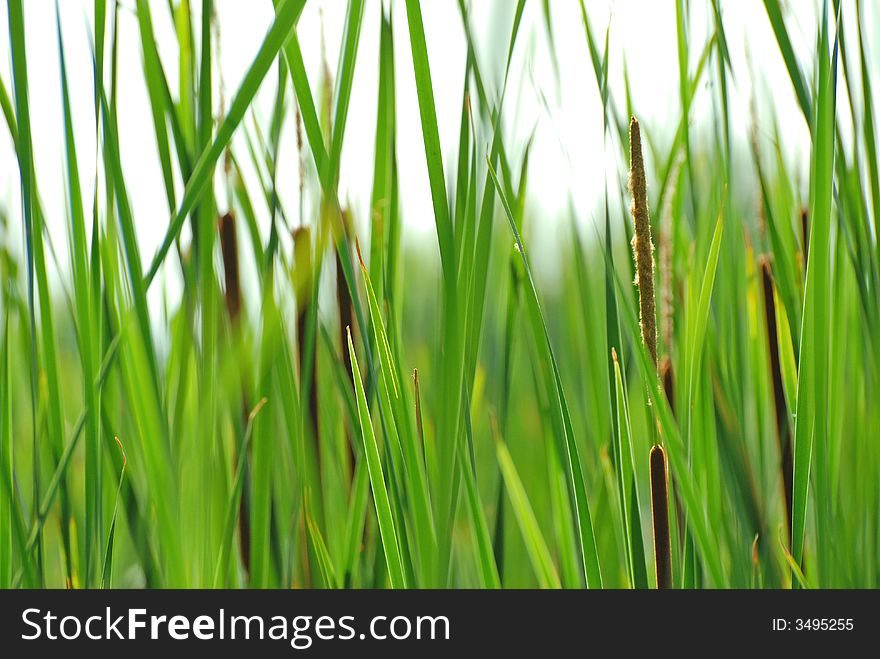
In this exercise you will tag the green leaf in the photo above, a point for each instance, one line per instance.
(287, 14)
(811, 415)
(567, 445)
(539, 554)
(390, 543)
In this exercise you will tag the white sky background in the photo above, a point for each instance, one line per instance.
(567, 161)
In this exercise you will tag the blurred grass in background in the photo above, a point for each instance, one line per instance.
(261, 443)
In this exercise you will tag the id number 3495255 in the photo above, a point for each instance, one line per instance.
(813, 624)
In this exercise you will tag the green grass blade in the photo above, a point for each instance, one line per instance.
(390, 543)
(539, 554)
(568, 445)
(777, 22)
(348, 57)
(86, 329)
(107, 569)
(811, 429)
(431, 137)
(696, 341)
(287, 14)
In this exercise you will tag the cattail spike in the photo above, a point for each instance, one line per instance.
(643, 248)
(346, 317)
(660, 518)
(783, 431)
(667, 378)
(229, 248)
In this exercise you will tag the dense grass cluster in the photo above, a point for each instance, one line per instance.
(350, 416)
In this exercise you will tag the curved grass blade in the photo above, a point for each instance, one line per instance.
(565, 435)
(539, 554)
(287, 14)
(777, 22)
(107, 569)
(811, 420)
(431, 138)
(698, 334)
(628, 488)
(390, 544)
(233, 508)
(86, 325)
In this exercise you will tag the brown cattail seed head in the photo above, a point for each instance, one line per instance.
(643, 248)
(660, 518)
(666, 377)
(229, 248)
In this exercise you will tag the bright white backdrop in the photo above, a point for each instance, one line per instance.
(567, 157)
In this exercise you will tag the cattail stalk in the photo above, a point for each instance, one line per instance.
(229, 250)
(643, 252)
(302, 254)
(666, 377)
(783, 431)
(346, 316)
(642, 246)
(660, 518)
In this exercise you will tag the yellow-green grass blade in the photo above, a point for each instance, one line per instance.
(43, 358)
(780, 30)
(698, 335)
(868, 130)
(296, 66)
(390, 542)
(52, 488)
(233, 508)
(11, 522)
(325, 562)
(287, 14)
(454, 316)
(568, 445)
(482, 540)
(9, 114)
(431, 138)
(413, 462)
(811, 422)
(539, 554)
(107, 567)
(87, 331)
(382, 196)
(357, 518)
(154, 79)
(628, 487)
(348, 58)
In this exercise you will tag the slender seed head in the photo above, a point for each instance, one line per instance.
(643, 248)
